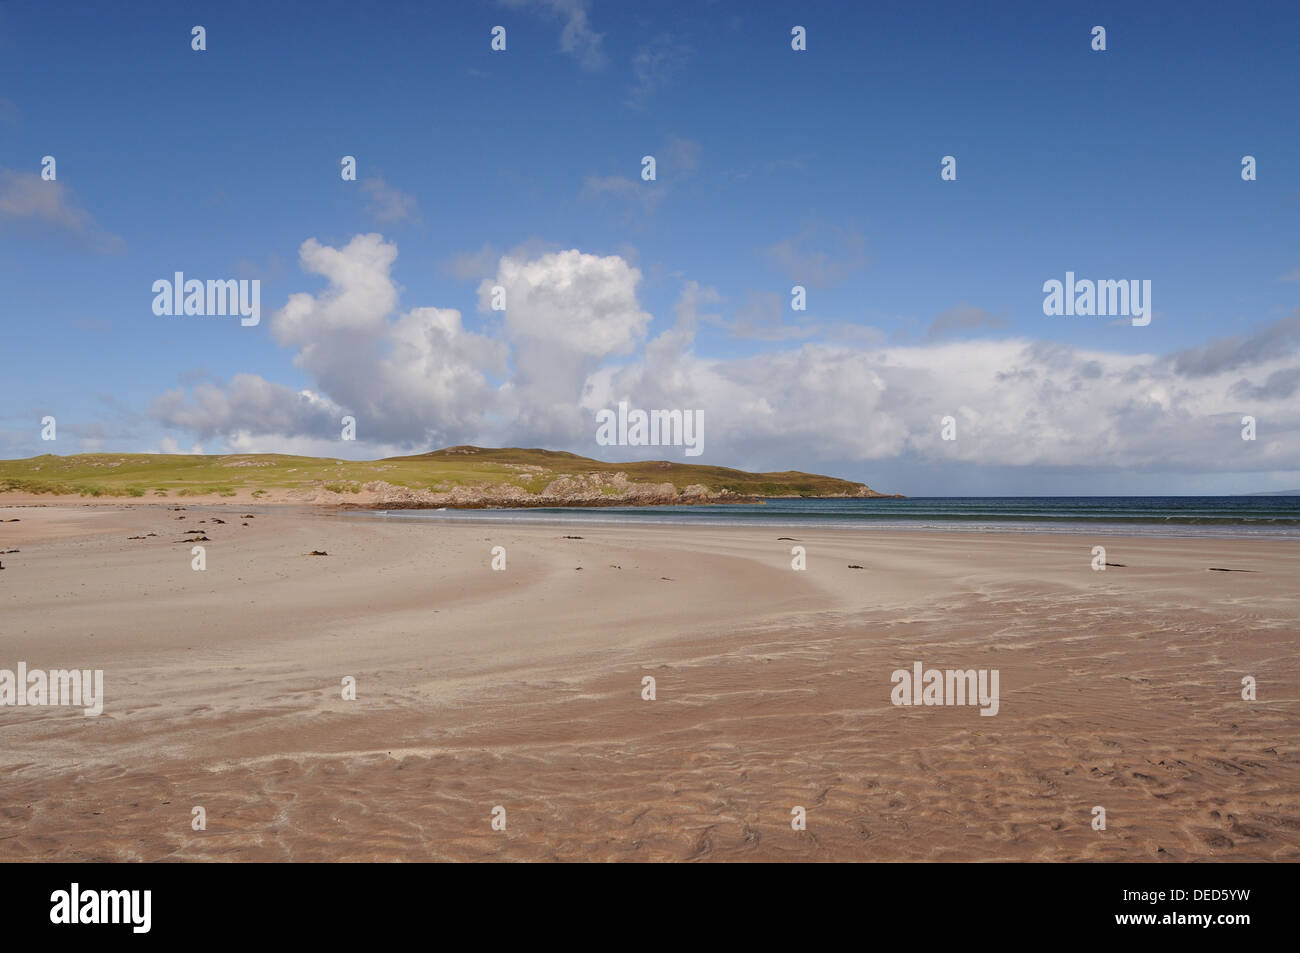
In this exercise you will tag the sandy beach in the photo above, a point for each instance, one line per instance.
(523, 688)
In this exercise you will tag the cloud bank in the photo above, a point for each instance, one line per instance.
(574, 338)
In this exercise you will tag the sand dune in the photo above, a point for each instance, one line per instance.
(522, 688)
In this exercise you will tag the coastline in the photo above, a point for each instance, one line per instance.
(413, 500)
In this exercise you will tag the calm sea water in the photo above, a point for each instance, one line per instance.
(1276, 516)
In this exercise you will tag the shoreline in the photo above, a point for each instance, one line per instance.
(342, 501)
(1110, 529)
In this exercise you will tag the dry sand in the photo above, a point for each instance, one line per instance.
(522, 688)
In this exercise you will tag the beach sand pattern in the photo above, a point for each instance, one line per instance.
(523, 689)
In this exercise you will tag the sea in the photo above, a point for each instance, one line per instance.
(1191, 516)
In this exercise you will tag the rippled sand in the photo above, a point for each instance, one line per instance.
(523, 689)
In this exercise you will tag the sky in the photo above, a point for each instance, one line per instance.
(774, 168)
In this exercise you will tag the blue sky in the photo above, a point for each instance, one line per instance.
(775, 168)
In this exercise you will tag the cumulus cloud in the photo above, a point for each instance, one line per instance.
(414, 378)
(574, 338)
(250, 403)
(1016, 403)
(566, 313)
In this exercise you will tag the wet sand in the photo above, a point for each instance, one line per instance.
(523, 688)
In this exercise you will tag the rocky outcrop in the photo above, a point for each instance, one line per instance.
(587, 489)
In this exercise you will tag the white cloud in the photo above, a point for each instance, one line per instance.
(574, 339)
(409, 379)
(566, 313)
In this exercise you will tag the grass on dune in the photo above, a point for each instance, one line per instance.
(169, 475)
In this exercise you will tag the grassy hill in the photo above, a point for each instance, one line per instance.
(526, 472)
